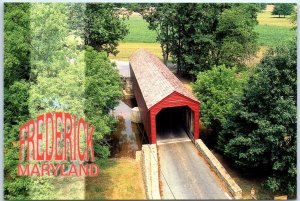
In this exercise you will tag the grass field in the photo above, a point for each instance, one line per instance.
(138, 31)
(271, 36)
(266, 18)
(127, 49)
(120, 179)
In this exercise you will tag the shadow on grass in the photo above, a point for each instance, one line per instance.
(99, 188)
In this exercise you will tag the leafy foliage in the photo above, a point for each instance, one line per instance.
(261, 6)
(17, 40)
(199, 36)
(103, 27)
(48, 38)
(218, 90)
(102, 90)
(16, 87)
(283, 9)
(236, 36)
(45, 65)
(262, 135)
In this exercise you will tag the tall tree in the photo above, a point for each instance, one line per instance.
(104, 27)
(49, 29)
(218, 90)
(197, 35)
(16, 87)
(102, 90)
(282, 9)
(235, 35)
(17, 42)
(263, 133)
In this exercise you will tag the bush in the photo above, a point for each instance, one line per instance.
(218, 90)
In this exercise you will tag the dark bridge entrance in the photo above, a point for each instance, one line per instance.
(175, 123)
(168, 110)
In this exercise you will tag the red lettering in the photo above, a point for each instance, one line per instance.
(96, 170)
(30, 140)
(49, 155)
(68, 136)
(58, 156)
(45, 168)
(89, 143)
(73, 170)
(22, 141)
(81, 155)
(39, 137)
(35, 170)
(22, 171)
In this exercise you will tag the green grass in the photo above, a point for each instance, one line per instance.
(271, 36)
(138, 31)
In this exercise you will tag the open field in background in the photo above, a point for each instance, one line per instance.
(121, 179)
(271, 29)
(138, 31)
(266, 18)
(271, 36)
(127, 49)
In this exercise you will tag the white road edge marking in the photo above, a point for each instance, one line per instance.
(171, 142)
(228, 196)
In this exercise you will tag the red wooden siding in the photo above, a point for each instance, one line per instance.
(155, 87)
(174, 100)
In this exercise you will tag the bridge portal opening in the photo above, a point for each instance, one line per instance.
(175, 123)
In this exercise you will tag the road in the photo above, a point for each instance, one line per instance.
(185, 174)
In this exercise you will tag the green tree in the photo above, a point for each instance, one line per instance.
(293, 18)
(49, 28)
(17, 42)
(261, 6)
(236, 38)
(199, 36)
(262, 135)
(218, 90)
(166, 14)
(103, 27)
(283, 9)
(16, 87)
(102, 91)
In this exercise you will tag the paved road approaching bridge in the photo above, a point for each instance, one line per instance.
(186, 173)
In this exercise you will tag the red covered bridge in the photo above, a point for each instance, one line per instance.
(166, 106)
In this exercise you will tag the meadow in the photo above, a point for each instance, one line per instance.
(118, 179)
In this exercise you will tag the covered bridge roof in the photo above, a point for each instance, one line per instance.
(155, 80)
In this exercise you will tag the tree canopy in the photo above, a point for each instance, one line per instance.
(103, 27)
(16, 92)
(262, 135)
(283, 9)
(218, 90)
(198, 36)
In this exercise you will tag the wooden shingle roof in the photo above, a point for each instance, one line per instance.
(155, 80)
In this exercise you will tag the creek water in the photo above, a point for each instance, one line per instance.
(128, 137)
